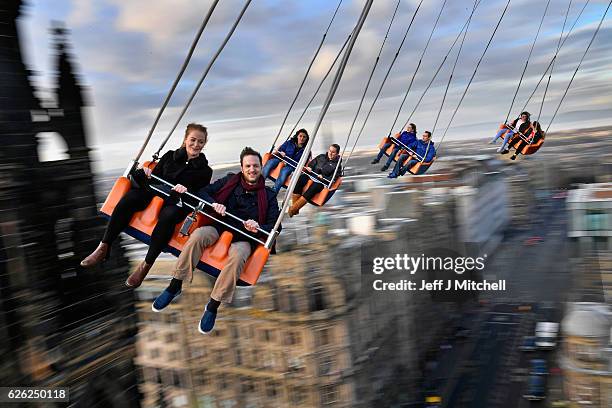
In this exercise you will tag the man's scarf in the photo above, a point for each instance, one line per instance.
(262, 199)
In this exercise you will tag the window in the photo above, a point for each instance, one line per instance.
(256, 358)
(246, 385)
(222, 380)
(316, 299)
(266, 335)
(271, 389)
(292, 338)
(596, 220)
(297, 396)
(234, 332)
(325, 365)
(329, 394)
(176, 379)
(171, 337)
(173, 355)
(151, 335)
(199, 378)
(238, 357)
(154, 353)
(322, 337)
(150, 374)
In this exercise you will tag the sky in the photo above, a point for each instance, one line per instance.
(128, 53)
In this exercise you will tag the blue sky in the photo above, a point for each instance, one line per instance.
(128, 53)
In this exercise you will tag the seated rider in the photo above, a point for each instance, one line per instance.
(245, 196)
(533, 137)
(187, 168)
(322, 168)
(292, 151)
(407, 137)
(423, 148)
(520, 124)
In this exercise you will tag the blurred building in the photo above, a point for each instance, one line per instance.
(308, 334)
(587, 354)
(521, 197)
(61, 326)
(590, 217)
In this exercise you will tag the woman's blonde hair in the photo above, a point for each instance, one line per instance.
(195, 126)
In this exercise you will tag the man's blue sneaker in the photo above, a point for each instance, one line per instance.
(207, 322)
(164, 300)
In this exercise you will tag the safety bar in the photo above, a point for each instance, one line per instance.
(398, 142)
(521, 135)
(187, 193)
(159, 190)
(311, 174)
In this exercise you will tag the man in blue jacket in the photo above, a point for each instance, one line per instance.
(423, 148)
(245, 196)
(407, 137)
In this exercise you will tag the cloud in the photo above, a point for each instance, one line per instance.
(128, 54)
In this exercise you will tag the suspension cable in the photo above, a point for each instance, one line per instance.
(382, 84)
(465, 25)
(527, 62)
(475, 70)
(553, 64)
(555, 56)
(314, 57)
(210, 64)
(417, 69)
(580, 63)
(316, 92)
(365, 91)
(178, 78)
(326, 104)
(450, 78)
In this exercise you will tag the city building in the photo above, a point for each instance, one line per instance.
(587, 354)
(311, 333)
(590, 218)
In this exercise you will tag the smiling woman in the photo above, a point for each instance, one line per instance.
(187, 168)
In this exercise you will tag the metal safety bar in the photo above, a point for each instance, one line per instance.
(394, 139)
(310, 174)
(521, 135)
(187, 193)
(195, 208)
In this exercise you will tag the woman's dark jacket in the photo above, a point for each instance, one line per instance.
(325, 167)
(176, 168)
(242, 204)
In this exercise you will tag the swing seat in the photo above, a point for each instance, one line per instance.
(213, 259)
(319, 199)
(529, 148)
(420, 167)
(389, 149)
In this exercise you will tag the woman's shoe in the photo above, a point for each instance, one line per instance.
(100, 254)
(136, 278)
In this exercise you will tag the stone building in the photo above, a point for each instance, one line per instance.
(587, 355)
(309, 334)
(61, 326)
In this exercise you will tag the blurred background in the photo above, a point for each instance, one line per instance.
(76, 100)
